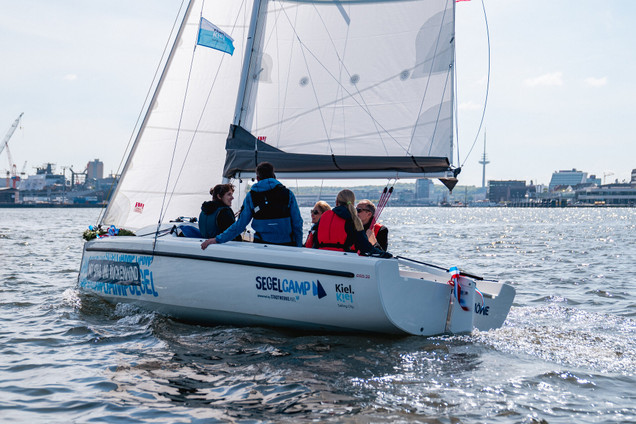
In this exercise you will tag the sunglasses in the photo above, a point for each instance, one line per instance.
(315, 212)
(365, 210)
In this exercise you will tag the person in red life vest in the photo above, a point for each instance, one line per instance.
(340, 229)
(379, 234)
(316, 212)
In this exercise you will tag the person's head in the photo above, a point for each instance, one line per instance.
(318, 209)
(366, 210)
(347, 199)
(224, 193)
(265, 170)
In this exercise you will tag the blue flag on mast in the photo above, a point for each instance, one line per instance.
(211, 36)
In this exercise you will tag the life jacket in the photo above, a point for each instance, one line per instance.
(208, 223)
(376, 228)
(310, 240)
(271, 204)
(271, 207)
(331, 233)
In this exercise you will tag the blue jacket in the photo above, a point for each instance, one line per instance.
(274, 231)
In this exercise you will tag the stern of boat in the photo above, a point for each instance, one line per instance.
(422, 306)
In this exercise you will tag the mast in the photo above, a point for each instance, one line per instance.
(243, 91)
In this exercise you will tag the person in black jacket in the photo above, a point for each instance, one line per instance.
(379, 234)
(217, 215)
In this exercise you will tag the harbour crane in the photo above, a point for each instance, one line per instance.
(12, 172)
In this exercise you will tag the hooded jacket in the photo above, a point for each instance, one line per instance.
(280, 225)
(215, 217)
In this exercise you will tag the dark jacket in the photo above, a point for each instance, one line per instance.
(381, 235)
(215, 217)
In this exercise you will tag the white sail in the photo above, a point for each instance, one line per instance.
(189, 117)
(331, 87)
(336, 79)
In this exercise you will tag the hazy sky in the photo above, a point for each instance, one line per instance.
(561, 83)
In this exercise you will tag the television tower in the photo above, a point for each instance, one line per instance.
(484, 161)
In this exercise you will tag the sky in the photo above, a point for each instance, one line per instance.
(561, 92)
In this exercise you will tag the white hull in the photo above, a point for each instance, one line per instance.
(252, 284)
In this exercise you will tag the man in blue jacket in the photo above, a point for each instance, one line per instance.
(273, 210)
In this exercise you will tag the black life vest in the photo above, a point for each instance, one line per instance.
(271, 204)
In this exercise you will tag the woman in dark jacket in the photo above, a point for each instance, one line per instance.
(217, 215)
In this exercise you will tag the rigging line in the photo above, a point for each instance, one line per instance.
(176, 139)
(439, 111)
(428, 80)
(483, 114)
(130, 139)
(344, 67)
(278, 75)
(313, 88)
(194, 133)
(349, 95)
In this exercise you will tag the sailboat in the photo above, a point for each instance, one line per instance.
(321, 89)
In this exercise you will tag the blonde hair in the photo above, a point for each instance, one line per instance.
(347, 198)
(322, 206)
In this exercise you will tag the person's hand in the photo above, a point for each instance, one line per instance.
(371, 237)
(207, 243)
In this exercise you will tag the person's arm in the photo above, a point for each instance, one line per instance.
(383, 238)
(362, 243)
(240, 225)
(296, 220)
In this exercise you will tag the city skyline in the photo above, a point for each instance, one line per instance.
(557, 98)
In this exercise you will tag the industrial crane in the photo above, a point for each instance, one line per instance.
(5, 145)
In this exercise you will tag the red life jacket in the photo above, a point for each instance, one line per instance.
(331, 232)
(376, 228)
(310, 240)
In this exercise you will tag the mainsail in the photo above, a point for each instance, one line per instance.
(353, 88)
(338, 86)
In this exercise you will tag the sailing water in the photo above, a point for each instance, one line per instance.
(567, 352)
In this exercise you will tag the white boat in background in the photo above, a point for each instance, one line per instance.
(321, 89)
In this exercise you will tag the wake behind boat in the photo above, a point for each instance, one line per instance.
(322, 89)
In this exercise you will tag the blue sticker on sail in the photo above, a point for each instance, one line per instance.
(212, 36)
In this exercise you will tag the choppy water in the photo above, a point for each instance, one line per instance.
(567, 352)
